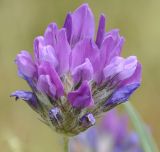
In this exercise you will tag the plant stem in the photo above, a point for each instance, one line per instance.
(146, 138)
(65, 140)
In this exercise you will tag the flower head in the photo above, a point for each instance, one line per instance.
(111, 135)
(74, 78)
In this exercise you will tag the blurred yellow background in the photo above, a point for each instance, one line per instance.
(22, 20)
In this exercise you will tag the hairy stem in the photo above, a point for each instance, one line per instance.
(65, 140)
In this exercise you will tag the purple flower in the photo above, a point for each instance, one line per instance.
(111, 135)
(75, 78)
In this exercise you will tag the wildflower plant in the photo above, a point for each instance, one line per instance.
(75, 78)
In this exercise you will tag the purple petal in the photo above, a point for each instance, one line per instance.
(82, 23)
(82, 97)
(135, 78)
(62, 52)
(122, 94)
(46, 69)
(84, 49)
(129, 68)
(83, 72)
(47, 53)
(50, 34)
(68, 26)
(55, 116)
(54, 112)
(88, 120)
(101, 30)
(45, 85)
(25, 64)
(38, 44)
(114, 68)
(27, 96)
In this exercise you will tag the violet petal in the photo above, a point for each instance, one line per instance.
(88, 120)
(55, 116)
(25, 64)
(135, 78)
(68, 26)
(83, 72)
(101, 30)
(129, 68)
(47, 69)
(50, 34)
(82, 97)
(38, 44)
(27, 96)
(82, 23)
(122, 94)
(84, 49)
(45, 85)
(47, 53)
(114, 68)
(62, 51)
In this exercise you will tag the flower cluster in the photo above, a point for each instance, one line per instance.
(73, 78)
(111, 135)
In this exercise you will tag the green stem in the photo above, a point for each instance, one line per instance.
(65, 139)
(146, 138)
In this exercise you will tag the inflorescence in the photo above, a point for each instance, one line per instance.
(74, 78)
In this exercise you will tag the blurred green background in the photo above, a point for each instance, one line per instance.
(22, 20)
